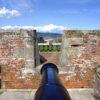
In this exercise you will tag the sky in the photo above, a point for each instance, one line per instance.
(50, 15)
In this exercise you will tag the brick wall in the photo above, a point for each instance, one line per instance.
(76, 61)
(18, 58)
(80, 59)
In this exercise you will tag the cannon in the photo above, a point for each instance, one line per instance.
(51, 88)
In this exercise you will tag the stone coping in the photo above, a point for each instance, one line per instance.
(26, 90)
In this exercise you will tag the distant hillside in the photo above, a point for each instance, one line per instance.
(49, 35)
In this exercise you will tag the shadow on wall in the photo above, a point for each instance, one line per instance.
(42, 59)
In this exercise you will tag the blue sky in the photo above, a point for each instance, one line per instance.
(84, 14)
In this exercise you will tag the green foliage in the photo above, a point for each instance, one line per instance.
(18, 33)
(54, 48)
(49, 48)
(41, 48)
(45, 48)
(58, 47)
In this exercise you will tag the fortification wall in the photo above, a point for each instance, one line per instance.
(77, 61)
(80, 55)
(19, 57)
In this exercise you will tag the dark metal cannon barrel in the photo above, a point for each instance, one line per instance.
(50, 87)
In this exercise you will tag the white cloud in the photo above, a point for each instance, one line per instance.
(16, 27)
(51, 28)
(7, 13)
(45, 28)
(24, 6)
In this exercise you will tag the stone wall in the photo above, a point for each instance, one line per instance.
(19, 57)
(79, 56)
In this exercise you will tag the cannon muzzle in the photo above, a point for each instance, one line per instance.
(51, 88)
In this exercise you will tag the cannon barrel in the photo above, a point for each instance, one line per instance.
(51, 87)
